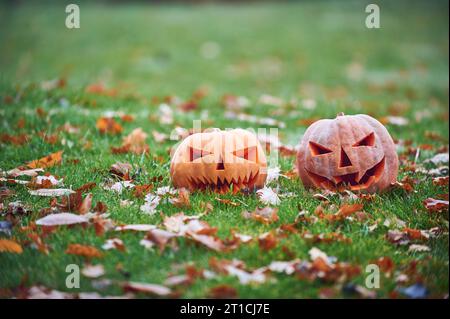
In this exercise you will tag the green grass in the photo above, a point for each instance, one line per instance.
(278, 49)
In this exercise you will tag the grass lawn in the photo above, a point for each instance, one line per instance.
(317, 57)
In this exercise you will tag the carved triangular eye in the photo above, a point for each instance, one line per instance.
(369, 140)
(317, 149)
(248, 153)
(196, 153)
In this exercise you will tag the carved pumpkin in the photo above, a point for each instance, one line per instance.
(352, 152)
(219, 161)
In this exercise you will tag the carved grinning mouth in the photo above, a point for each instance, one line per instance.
(351, 181)
(223, 185)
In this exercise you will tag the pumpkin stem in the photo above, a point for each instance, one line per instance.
(340, 114)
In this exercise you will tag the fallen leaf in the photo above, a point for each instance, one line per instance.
(441, 181)
(435, 205)
(133, 143)
(16, 172)
(93, 271)
(208, 241)
(267, 241)
(47, 161)
(114, 243)
(136, 227)
(152, 289)
(107, 125)
(418, 248)
(84, 251)
(264, 215)
(161, 238)
(61, 219)
(100, 89)
(182, 200)
(10, 246)
(223, 292)
(54, 192)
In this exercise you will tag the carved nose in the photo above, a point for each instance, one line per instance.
(220, 166)
(345, 160)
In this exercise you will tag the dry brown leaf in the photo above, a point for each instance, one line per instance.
(223, 292)
(84, 251)
(152, 289)
(135, 141)
(100, 89)
(435, 205)
(441, 181)
(264, 215)
(182, 200)
(47, 161)
(267, 241)
(107, 125)
(161, 238)
(211, 242)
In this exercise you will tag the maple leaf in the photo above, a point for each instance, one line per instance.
(47, 161)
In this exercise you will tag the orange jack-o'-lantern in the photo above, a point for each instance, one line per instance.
(220, 161)
(352, 152)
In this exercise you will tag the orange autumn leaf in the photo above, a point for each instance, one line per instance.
(107, 125)
(10, 246)
(100, 89)
(83, 250)
(47, 161)
(133, 143)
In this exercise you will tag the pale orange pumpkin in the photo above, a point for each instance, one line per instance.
(219, 161)
(352, 152)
